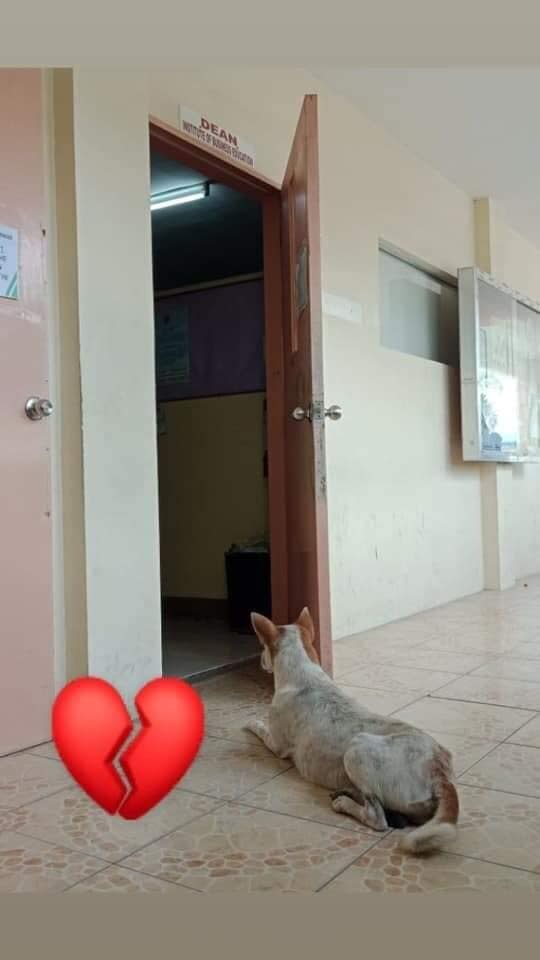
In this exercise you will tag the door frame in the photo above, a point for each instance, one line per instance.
(171, 142)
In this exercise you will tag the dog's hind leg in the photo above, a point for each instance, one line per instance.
(362, 802)
(368, 810)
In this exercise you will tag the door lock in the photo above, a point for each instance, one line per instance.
(316, 411)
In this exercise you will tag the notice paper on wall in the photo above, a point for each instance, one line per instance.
(172, 344)
(9, 262)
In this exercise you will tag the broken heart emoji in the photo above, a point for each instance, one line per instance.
(91, 724)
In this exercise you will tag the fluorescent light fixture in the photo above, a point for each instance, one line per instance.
(172, 198)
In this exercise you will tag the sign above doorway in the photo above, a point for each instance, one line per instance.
(207, 132)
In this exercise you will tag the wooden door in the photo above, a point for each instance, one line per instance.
(26, 605)
(307, 523)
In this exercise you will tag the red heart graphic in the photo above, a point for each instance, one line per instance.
(90, 723)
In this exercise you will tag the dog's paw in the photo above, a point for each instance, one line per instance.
(340, 793)
(340, 803)
(253, 726)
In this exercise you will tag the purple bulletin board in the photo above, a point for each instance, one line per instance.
(210, 342)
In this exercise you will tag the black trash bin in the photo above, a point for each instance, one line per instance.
(248, 585)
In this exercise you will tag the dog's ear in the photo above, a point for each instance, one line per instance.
(264, 628)
(307, 633)
(305, 621)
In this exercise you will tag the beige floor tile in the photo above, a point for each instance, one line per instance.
(226, 770)
(239, 849)
(70, 819)
(511, 669)
(402, 634)
(45, 750)
(32, 866)
(499, 827)
(510, 767)
(474, 641)
(379, 701)
(464, 719)
(495, 690)
(12, 819)
(528, 650)
(229, 724)
(346, 660)
(394, 644)
(385, 677)
(465, 750)
(529, 735)
(442, 660)
(384, 870)
(243, 688)
(119, 880)
(369, 648)
(292, 795)
(230, 701)
(24, 778)
(255, 674)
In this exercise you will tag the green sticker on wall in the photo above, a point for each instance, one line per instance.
(9, 263)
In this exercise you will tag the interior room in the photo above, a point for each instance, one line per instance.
(210, 384)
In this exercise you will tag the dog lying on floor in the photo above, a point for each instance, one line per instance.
(382, 772)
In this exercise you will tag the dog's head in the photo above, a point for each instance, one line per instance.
(272, 637)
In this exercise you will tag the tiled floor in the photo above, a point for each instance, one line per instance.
(193, 647)
(242, 820)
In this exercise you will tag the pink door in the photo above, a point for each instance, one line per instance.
(26, 610)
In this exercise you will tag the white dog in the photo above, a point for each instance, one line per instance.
(376, 766)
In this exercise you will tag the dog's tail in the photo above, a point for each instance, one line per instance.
(441, 829)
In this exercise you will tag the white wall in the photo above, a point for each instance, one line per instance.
(405, 512)
(117, 380)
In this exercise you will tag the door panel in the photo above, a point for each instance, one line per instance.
(26, 611)
(307, 523)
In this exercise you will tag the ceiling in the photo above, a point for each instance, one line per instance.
(210, 239)
(477, 126)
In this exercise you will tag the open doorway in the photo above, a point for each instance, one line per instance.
(260, 361)
(208, 268)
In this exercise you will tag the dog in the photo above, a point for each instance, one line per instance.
(381, 771)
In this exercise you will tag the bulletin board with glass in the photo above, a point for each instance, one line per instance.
(500, 370)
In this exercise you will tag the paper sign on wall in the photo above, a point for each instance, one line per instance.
(211, 134)
(9, 262)
(172, 345)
